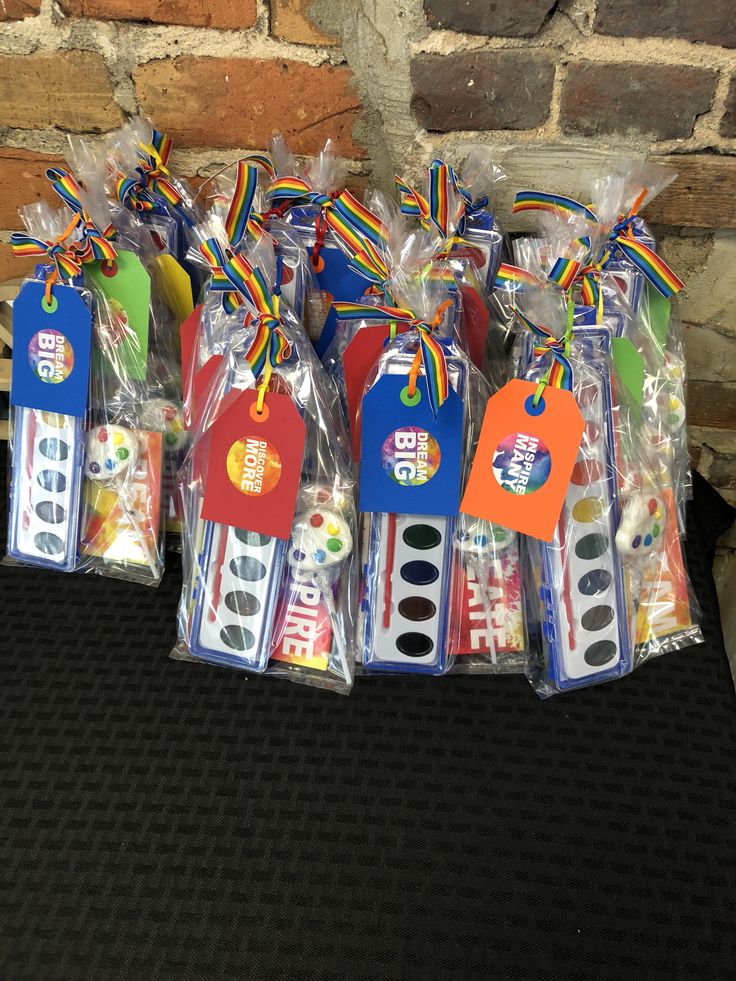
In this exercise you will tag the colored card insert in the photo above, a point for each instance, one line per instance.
(506, 602)
(410, 458)
(51, 349)
(125, 282)
(524, 459)
(360, 356)
(254, 465)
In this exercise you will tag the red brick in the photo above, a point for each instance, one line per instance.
(290, 22)
(19, 9)
(482, 90)
(68, 89)
(513, 18)
(11, 267)
(713, 22)
(235, 14)
(240, 102)
(664, 100)
(23, 181)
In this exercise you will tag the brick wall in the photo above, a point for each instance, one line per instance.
(553, 87)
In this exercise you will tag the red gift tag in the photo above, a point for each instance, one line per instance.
(359, 357)
(476, 319)
(255, 461)
(188, 336)
(203, 379)
(524, 459)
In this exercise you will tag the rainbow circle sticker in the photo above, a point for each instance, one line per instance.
(521, 463)
(50, 356)
(253, 466)
(410, 456)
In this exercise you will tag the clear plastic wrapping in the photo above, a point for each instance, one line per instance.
(440, 592)
(255, 601)
(86, 490)
(611, 589)
(311, 196)
(139, 179)
(170, 301)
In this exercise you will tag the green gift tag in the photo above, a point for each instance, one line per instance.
(629, 366)
(125, 282)
(659, 309)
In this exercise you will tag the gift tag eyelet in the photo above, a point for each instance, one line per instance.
(410, 400)
(534, 410)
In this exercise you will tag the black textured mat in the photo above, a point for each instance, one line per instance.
(167, 820)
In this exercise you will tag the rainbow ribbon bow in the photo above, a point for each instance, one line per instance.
(270, 346)
(240, 216)
(65, 256)
(621, 240)
(560, 373)
(646, 260)
(153, 188)
(435, 210)
(432, 353)
(240, 219)
(95, 242)
(344, 215)
(217, 256)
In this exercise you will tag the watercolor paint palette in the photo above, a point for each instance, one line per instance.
(46, 486)
(407, 608)
(237, 586)
(410, 579)
(583, 587)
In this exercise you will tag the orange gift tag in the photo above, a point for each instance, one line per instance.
(524, 459)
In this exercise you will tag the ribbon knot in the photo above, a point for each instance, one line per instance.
(95, 243)
(545, 343)
(349, 220)
(217, 256)
(430, 355)
(435, 210)
(153, 189)
(621, 239)
(67, 257)
(623, 226)
(240, 281)
(473, 209)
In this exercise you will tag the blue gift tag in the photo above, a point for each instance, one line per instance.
(341, 283)
(410, 460)
(51, 349)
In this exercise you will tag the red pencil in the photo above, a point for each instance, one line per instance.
(217, 585)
